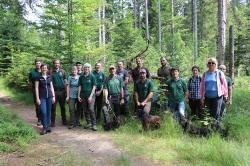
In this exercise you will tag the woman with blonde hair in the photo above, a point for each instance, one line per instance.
(212, 88)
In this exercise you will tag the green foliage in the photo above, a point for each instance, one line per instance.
(14, 134)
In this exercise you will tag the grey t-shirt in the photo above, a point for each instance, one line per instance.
(73, 86)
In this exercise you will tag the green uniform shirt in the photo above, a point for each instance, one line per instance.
(177, 89)
(58, 78)
(86, 82)
(33, 75)
(143, 88)
(229, 81)
(113, 84)
(100, 78)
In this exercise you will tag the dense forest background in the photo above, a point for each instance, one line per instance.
(108, 30)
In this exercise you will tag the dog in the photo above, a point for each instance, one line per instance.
(151, 122)
(190, 128)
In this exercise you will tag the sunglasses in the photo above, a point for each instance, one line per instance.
(211, 63)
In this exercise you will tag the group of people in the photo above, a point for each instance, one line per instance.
(89, 93)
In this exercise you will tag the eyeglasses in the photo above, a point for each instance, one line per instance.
(222, 69)
(211, 63)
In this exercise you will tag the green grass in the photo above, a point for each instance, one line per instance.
(170, 146)
(16, 94)
(14, 134)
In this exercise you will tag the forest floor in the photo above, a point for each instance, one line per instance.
(66, 147)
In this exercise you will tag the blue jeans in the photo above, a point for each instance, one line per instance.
(178, 110)
(45, 107)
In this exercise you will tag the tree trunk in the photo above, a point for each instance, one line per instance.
(135, 13)
(221, 30)
(231, 52)
(100, 26)
(159, 24)
(103, 26)
(195, 38)
(70, 31)
(146, 17)
(172, 27)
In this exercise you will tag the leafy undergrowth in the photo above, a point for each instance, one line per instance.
(172, 147)
(23, 95)
(14, 134)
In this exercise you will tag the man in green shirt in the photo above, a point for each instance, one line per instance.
(86, 95)
(59, 83)
(144, 89)
(177, 88)
(33, 75)
(114, 96)
(230, 90)
(100, 77)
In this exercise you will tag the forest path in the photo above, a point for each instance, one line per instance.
(64, 145)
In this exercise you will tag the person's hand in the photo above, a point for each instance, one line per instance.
(138, 103)
(80, 99)
(38, 101)
(107, 101)
(67, 99)
(53, 99)
(122, 101)
(143, 103)
(202, 102)
(90, 99)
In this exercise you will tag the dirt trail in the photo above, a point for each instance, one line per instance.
(94, 148)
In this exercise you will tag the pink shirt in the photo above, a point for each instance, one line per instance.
(221, 84)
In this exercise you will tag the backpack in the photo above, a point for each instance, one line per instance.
(51, 72)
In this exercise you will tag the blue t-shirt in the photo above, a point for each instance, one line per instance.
(123, 74)
(211, 89)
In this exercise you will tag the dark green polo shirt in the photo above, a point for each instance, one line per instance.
(33, 75)
(58, 78)
(176, 89)
(100, 78)
(86, 82)
(143, 88)
(229, 81)
(113, 84)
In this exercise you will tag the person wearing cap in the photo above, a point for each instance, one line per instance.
(227, 100)
(194, 98)
(177, 92)
(123, 73)
(59, 80)
(79, 68)
(164, 70)
(144, 89)
(100, 78)
(33, 75)
(114, 97)
(86, 96)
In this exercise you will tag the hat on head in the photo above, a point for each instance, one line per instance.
(111, 67)
(143, 71)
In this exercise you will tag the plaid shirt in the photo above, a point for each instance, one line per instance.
(194, 87)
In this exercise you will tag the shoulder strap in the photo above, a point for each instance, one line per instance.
(51, 72)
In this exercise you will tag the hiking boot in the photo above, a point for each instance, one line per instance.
(88, 126)
(39, 123)
(48, 129)
(44, 131)
(94, 128)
